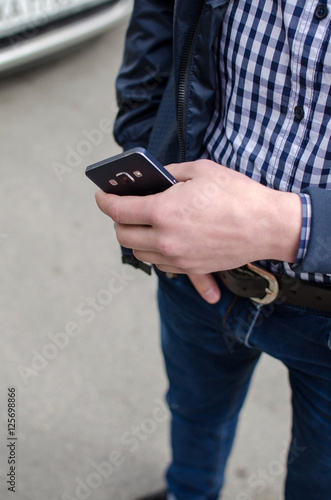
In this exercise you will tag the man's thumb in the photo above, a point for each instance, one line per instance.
(206, 286)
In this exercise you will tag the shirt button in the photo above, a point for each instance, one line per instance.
(299, 112)
(321, 11)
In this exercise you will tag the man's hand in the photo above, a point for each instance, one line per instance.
(214, 219)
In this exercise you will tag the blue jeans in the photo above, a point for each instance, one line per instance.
(210, 353)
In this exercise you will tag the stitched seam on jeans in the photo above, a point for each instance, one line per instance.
(250, 330)
(329, 343)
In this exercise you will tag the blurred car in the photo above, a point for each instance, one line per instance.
(33, 30)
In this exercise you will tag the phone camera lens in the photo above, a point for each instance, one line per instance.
(125, 178)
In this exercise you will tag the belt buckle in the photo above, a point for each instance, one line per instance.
(271, 292)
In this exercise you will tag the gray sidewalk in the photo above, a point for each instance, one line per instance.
(79, 332)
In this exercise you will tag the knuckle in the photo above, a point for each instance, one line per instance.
(165, 246)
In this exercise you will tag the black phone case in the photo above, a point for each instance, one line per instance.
(144, 174)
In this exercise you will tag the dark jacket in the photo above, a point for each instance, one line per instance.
(166, 96)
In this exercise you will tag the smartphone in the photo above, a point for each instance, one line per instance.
(134, 172)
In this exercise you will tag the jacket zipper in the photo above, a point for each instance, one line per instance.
(184, 79)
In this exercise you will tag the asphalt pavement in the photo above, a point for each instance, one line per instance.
(80, 356)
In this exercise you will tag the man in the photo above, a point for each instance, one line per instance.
(236, 97)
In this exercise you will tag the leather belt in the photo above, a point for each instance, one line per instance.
(264, 287)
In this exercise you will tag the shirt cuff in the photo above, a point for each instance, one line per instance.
(305, 229)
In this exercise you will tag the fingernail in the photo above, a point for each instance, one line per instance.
(212, 295)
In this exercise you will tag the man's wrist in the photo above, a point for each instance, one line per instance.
(287, 227)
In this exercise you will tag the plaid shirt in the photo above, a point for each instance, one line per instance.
(273, 108)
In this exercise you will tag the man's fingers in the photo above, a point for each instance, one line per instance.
(206, 286)
(149, 256)
(136, 237)
(125, 209)
(166, 268)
